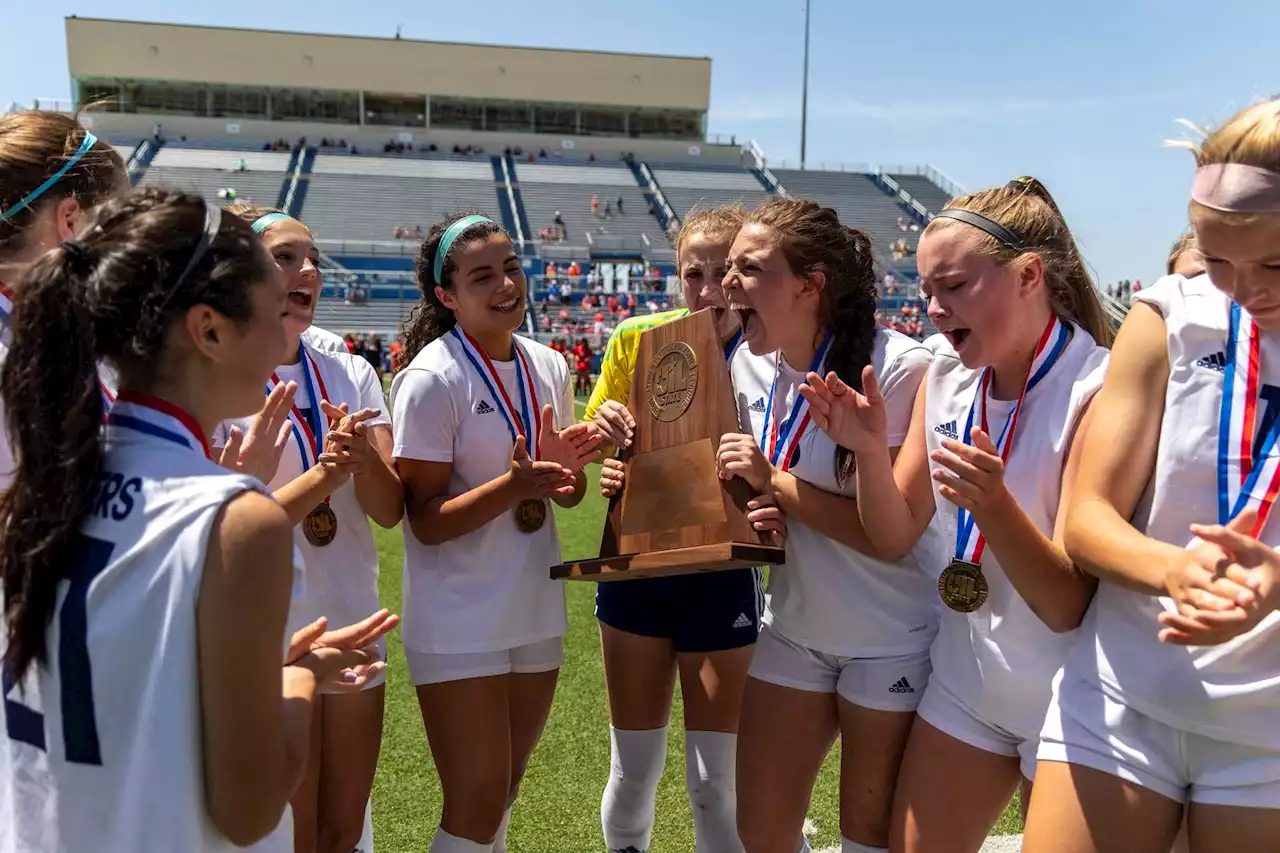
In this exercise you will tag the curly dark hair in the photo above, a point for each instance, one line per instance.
(812, 239)
(112, 295)
(430, 318)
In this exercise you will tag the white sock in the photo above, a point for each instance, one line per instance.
(804, 845)
(500, 840)
(626, 810)
(447, 843)
(709, 776)
(847, 846)
(366, 838)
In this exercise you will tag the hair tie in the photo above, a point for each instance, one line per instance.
(78, 255)
(88, 142)
(1237, 188)
(262, 223)
(982, 223)
(453, 232)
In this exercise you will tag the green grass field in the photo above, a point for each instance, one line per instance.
(559, 806)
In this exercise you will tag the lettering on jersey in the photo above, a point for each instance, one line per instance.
(116, 496)
(757, 406)
(948, 430)
(483, 408)
(1216, 361)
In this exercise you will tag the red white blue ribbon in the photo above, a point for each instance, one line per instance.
(309, 435)
(1248, 475)
(528, 420)
(151, 416)
(970, 543)
(785, 434)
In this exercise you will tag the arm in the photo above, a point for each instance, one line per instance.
(1037, 565)
(305, 492)
(378, 487)
(1117, 459)
(832, 515)
(254, 743)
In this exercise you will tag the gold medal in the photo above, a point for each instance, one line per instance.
(531, 515)
(962, 586)
(320, 526)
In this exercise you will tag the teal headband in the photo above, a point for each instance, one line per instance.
(450, 235)
(89, 141)
(262, 223)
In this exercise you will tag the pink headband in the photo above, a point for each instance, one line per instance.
(1237, 188)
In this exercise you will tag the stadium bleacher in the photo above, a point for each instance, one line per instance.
(687, 189)
(208, 171)
(923, 190)
(549, 188)
(365, 198)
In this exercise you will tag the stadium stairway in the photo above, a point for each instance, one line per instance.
(923, 190)
(207, 171)
(504, 200)
(364, 198)
(653, 195)
(139, 158)
(522, 214)
(547, 188)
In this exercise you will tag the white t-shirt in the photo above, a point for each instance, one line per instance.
(1000, 660)
(125, 771)
(490, 589)
(322, 340)
(829, 597)
(1229, 692)
(341, 577)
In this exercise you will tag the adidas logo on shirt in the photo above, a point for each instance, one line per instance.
(483, 408)
(757, 406)
(947, 429)
(902, 686)
(1217, 361)
(742, 621)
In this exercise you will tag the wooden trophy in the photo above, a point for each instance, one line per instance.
(675, 515)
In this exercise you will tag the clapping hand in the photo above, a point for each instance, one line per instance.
(257, 452)
(536, 480)
(572, 447)
(346, 444)
(970, 476)
(347, 658)
(1225, 586)
(854, 420)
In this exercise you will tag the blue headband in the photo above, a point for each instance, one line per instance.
(454, 231)
(262, 223)
(89, 141)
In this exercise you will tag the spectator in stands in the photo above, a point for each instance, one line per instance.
(648, 201)
(542, 153)
(559, 222)
(890, 284)
(574, 272)
(595, 205)
(620, 205)
(608, 209)
(591, 158)
(417, 233)
(902, 223)
(582, 368)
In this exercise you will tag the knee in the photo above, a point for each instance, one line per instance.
(473, 808)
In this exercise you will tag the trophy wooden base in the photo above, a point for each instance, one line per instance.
(715, 557)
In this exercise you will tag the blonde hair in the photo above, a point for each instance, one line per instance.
(721, 224)
(1185, 243)
(1250, 137)
(1027, 209)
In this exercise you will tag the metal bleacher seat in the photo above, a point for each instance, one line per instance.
(382, 317)
(923, 190)
(547, 188)
(687, 189)
(859, 202)
(207, 171)
(365, 198)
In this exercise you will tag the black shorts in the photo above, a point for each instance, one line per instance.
(699, 612)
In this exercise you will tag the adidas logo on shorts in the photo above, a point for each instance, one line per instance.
(483, 408)
(742, 621)
(947, 429)
(1217, 361)
(757, 406)
(902, 686)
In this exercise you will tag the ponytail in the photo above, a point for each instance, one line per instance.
(111, 295)
(430, 318)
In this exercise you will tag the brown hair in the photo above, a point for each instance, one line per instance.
(35, 144)
(717, 223)
(112, 295)
(1185, 243)
(1027, 209)
(812, 239)
(430, 318)
(250, 213)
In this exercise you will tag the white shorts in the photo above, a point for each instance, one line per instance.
(881, 684)
(1088, 728)
(431, 668)
(943, 710)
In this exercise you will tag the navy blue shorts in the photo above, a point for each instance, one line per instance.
(699, 612)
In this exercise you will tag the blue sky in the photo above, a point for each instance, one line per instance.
(1079, 94)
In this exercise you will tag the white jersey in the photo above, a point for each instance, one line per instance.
(936, 343)
(829, 597)
(1000, 660)
(490, 589)
(1228, 692)
(103, 746)
(341, 577)
(322, 340)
